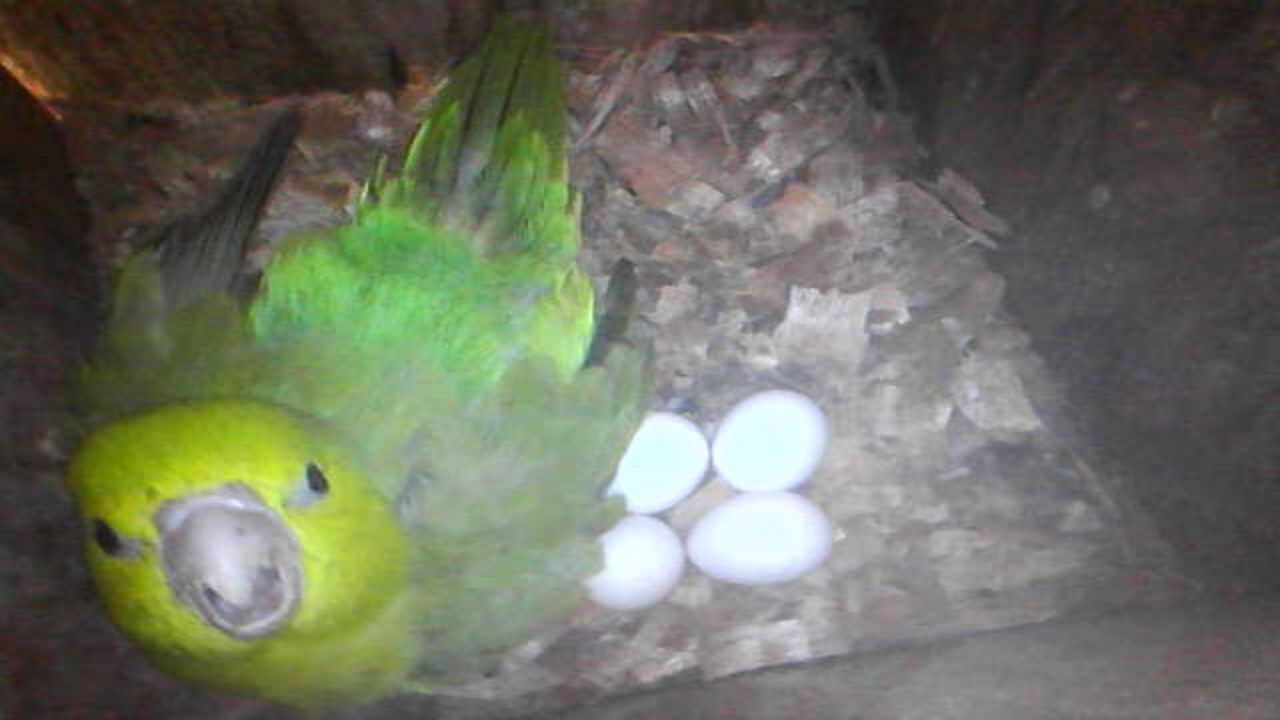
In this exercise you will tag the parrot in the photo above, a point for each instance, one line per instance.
(381, 462)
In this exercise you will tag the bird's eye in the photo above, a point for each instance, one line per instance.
(316, 481)
(110, 541)
(311, 488)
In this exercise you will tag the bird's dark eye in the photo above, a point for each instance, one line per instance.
(310, 489)
(107, 538)
(316, 481)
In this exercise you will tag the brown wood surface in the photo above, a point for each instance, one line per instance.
(90, 51)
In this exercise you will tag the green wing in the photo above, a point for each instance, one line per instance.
(467, 259)
(489, 161)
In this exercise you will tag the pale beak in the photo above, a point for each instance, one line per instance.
(231, 559)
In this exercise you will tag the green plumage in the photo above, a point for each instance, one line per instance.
(482, 212)
(442, 333)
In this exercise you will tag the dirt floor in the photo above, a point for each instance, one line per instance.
(1219, 661)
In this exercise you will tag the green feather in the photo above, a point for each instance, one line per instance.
(468, 255)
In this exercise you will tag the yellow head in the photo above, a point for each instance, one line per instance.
(239, 545)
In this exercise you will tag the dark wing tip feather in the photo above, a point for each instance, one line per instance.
(203, 253)
(619, 305)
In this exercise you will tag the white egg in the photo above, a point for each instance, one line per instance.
(665, 461)
(760, 538)
(772, 440)
(643, 561)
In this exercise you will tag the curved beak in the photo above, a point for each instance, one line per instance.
(231, 559)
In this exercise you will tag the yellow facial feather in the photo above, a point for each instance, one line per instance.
(348, 639)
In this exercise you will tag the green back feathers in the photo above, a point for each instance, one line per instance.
(469, 255)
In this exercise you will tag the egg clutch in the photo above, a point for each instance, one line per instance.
(767, 445)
